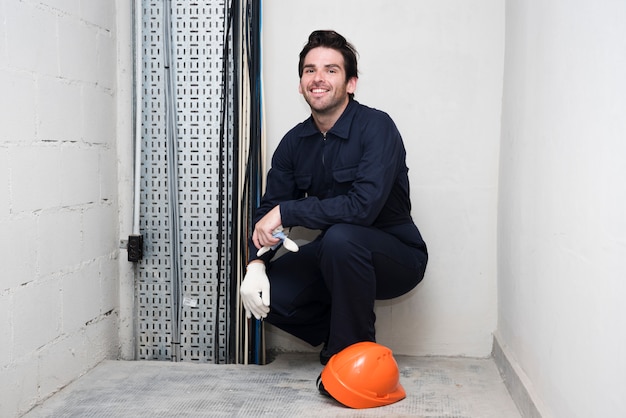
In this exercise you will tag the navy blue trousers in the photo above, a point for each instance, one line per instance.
(325, 292)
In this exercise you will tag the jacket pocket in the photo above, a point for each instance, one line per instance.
(343, 179)
(303, 182)
(345, 175)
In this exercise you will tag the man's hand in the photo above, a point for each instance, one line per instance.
(255, 291)
(287, 243)
(264, 229)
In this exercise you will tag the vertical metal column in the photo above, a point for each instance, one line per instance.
(203, 185)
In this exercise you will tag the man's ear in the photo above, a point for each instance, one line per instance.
(351, 87)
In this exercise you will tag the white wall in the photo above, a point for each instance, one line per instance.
(436, 68)
(562, 204)
(59, 218)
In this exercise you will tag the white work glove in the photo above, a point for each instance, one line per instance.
(287, 243)
(255, 291)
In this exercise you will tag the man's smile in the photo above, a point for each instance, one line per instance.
(319, 90)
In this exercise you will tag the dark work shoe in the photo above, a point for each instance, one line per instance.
(324, 356)
(320, 386)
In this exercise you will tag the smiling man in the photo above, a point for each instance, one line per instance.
(342, 171)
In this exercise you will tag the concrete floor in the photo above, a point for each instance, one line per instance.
(435, 386)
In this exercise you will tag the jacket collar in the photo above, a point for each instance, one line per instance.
(341, 128)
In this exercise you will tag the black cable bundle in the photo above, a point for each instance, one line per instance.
(254, 174)
(244, 26)
(223, 187)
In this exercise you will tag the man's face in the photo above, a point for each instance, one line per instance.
(323, 82)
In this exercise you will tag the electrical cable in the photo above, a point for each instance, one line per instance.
(233, 296)
(255, 137)
(137, 137)
(262, 133)
(223, 151)
(137, 112)
(172, 172)
(237, 225)
(245, 137)
(239, 176)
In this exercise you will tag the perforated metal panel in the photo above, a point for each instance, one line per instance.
(183, 304)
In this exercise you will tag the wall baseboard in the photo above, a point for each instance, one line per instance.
(516, 382)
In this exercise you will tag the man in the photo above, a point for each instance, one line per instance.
(342, 171)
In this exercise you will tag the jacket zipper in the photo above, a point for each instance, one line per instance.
(324, 150)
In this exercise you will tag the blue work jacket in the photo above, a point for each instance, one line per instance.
(355, 173)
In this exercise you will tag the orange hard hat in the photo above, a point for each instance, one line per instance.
(363, 375)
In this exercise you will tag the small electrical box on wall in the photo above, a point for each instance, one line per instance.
(135, 248)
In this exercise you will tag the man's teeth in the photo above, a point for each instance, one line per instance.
(318, 90)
